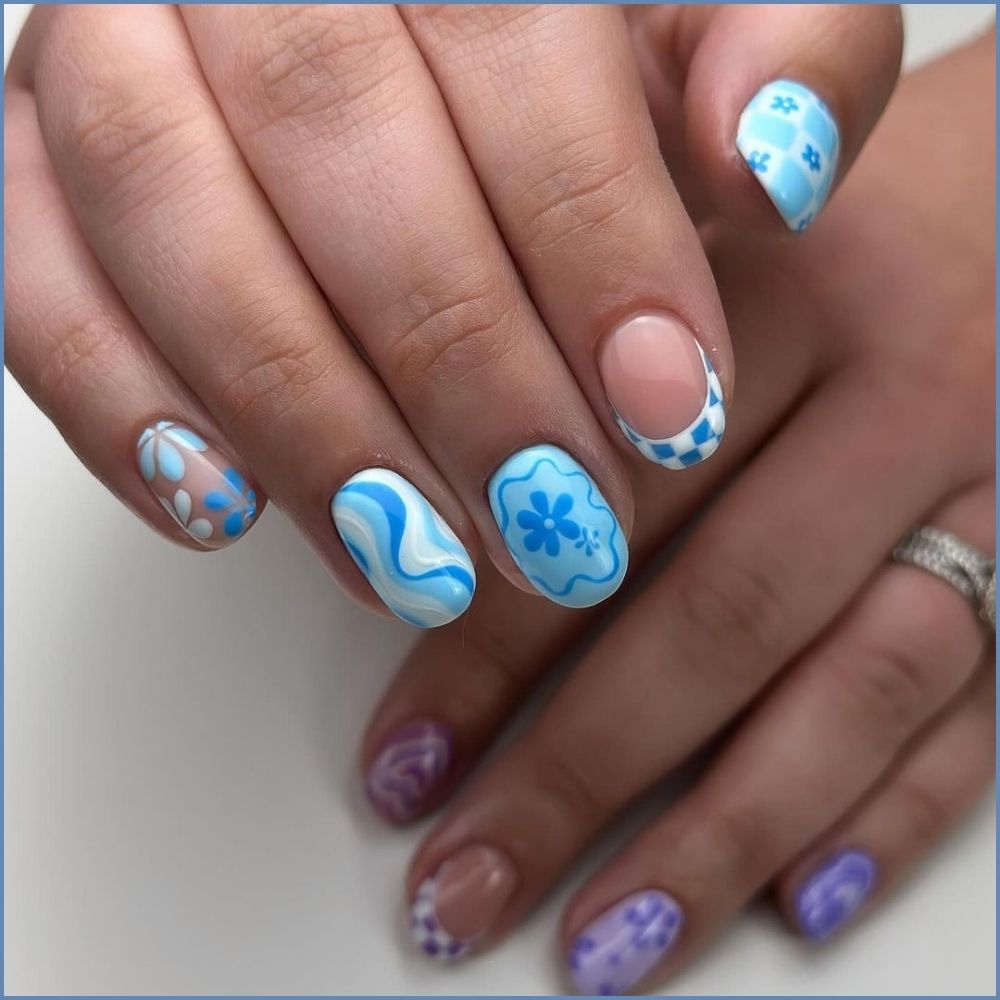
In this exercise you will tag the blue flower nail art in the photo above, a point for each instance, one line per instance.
(791, 143)
(196, 484)
(558, 527)
(834, 893)
(410, 556)
(698, 441)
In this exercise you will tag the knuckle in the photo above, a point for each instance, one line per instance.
(564, 780)
(582, 187)
(313, 59)
(284, 374)
(737, 839)
(454, 331)
(738, 615)
(929, 814)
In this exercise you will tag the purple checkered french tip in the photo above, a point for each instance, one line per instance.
(457, 905)
(620, 947)
(409, 769)
(834, 892)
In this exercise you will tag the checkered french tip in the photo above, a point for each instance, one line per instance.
(790, 141)
(698, 441)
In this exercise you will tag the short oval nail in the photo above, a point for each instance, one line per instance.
(790, 141)
(620, 947)
(461, 901)
(834, 892)
(198, 486)
(412, 559)
(409, 769)
(558, 527)
(663, 390)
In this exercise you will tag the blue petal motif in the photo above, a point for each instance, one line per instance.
(186, 438)
(169, 461)
(147, 461)
(233, 523)
(237, 482)
(217, 500)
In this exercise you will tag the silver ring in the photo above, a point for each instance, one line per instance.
(969, 571)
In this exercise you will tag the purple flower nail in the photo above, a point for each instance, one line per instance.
(428, 934)
(832, 894)
(408, 770)
(616, 950)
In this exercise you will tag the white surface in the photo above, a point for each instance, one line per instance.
(182, 811)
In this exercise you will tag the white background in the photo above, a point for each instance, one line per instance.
(182, 808)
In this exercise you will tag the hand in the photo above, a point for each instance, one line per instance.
(373, 261)
(859, 691)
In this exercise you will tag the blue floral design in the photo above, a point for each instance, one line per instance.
(161, 450)
(782, 103)
(238, 499)
(757, 161)
(588, 541)
(811, 156)
(545, 525)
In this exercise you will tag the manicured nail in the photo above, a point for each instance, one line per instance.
(663, 390)
(833, 893)
(197, 485)
(620, 947)
(791, 142)
(460, 902)
(408, 770)
(558, 527)
(412, 559)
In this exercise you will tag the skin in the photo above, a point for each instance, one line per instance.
(866, 359)
(243, 206)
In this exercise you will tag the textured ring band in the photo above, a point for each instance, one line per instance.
(969, 571)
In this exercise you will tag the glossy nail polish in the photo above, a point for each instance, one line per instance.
(620, 947)
(664, 392)
(790, 140)
(410, 556)
(198, 486)
(459, 903)
(409, 769)
(558, 527)
(833, 893)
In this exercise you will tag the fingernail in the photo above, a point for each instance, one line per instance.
(197, 485)
(460, 902)
(408, 770)
(410, 556)
(558, 527)
(834, 892)
(790, 140)
(620, 947)
(663, 390)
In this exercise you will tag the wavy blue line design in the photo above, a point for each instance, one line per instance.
(412, 559)
(561, 576)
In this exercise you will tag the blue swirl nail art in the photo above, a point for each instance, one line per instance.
(558, 527)
(791, 143)
(834, 892)
(412, 559)
(698, 440)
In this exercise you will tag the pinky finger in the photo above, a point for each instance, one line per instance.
(76, 349)
(855, 865)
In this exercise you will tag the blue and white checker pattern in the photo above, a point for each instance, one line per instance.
(698, 440)
(791, 142)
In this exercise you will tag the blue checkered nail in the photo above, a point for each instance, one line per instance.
(790, 140)
(698, 440)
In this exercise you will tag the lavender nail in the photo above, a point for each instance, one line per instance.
(616, 950)
(408, 770)
(832, 894)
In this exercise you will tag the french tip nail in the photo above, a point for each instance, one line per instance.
(197, 485)
(557, 526)
(621, 946)
(409, 770)
(789, 139)
(410, 556)
(456, 906)
(663, 391)
(830, 896)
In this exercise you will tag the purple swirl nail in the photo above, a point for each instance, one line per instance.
(408, 770)
(622, 945)
(834, 892)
